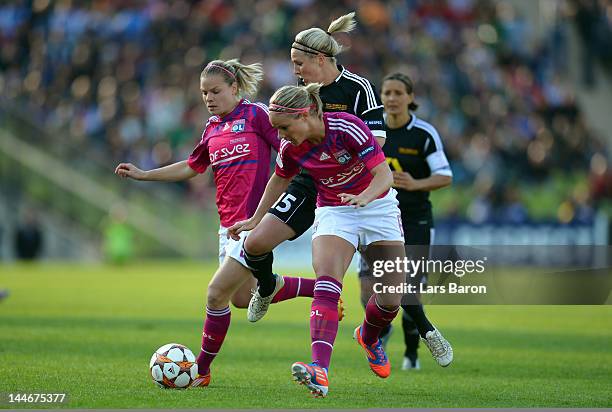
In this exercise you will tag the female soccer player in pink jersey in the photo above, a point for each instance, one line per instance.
(355, 206)
(314, 56)
(236, 144)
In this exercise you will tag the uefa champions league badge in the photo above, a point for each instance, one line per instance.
(238, 126)
(343, 157)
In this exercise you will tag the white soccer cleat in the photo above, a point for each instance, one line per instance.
(439, 347)
(258, 306)
(312, 376)
(408, 364)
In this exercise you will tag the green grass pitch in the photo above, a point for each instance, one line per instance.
(90, 330)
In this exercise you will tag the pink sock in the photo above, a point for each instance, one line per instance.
(376, 318)
(216, 325)
(295, 287)
(324, 319)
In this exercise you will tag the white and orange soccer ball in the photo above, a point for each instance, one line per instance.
(173, 366)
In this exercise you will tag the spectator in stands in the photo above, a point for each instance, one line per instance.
(28, 237)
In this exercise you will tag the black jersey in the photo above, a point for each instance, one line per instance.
(416, 148)
(355, 95)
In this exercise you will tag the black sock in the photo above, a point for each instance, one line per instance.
(411, 337)
(418, 316)
(261, 267)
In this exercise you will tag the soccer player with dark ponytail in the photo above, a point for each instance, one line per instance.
(415, 153)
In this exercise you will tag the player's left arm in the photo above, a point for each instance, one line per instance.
(441, 173)
(404, 180)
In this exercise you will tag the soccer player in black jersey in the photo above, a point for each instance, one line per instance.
(313, 54)
(416, 156)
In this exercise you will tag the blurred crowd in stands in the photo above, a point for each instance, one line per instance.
(594, 23)
(121, 78)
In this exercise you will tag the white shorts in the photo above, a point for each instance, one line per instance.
(379, 220)
(230, 247)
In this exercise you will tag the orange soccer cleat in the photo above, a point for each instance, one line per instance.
(377, 358)
(201, 381)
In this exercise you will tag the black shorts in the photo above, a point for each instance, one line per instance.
(417, 233)
(296, 207)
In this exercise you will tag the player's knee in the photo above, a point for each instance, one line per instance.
(216, 297)
(256, 245)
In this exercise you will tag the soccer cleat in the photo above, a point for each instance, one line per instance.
(439, 347)
(201, 381)
(311, 375)
(258, 305)
(411, 363)
(340, 309)
(377, 358)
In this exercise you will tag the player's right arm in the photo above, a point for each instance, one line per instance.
(171, 173)
(197, 162)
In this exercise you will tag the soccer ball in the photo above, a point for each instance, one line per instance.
(173, 366)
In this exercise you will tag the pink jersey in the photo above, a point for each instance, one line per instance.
(339, 164)
(237, 147)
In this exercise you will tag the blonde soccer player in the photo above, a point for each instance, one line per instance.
(355, 206)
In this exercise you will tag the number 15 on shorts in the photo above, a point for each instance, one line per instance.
(285, 202)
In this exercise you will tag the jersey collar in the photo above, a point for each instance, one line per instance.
(230, 114)
(411, 122)
(342, 69)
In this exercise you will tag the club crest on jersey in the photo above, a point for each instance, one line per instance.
(238, 126)
(343, 157)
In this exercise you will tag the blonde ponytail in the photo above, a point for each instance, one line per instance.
(316, 40)
(344, 24)
(247, 77)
